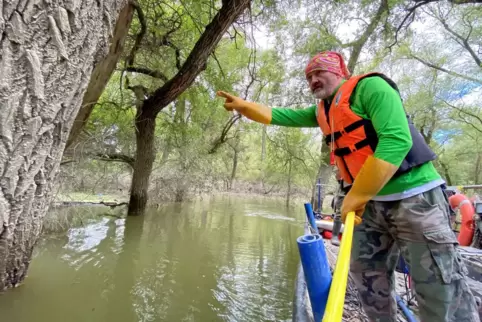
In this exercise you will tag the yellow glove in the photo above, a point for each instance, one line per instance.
(253, 111)
(373, 176)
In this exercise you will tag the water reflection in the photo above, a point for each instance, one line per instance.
(224, 259)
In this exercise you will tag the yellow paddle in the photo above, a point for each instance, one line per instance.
(336, 298)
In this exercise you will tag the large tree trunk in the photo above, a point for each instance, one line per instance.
(145, 155)
(48, 52)
(102, 72)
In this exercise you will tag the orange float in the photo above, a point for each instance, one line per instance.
(467, 211)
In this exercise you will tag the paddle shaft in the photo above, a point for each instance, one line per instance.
(336, 298)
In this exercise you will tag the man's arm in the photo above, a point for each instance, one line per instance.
(276, 116)
(384, 108)
(294, 117)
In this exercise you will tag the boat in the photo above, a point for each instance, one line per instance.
(472, 257)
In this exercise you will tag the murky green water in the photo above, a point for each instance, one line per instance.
(225, 259)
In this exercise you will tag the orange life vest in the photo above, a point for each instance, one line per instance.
(352, 139)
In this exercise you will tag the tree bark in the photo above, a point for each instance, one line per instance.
(48, 52)
(163, 96)
(145, 130)
(102, 72)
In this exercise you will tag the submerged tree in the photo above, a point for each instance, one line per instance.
(163, 62)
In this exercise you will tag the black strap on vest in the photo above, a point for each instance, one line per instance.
(352, 127)
(341, 152)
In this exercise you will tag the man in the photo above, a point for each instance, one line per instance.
(396, 191)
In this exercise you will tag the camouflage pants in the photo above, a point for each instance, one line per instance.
(418, 227)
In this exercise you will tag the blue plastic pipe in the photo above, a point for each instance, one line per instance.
(408, 314)
(311, 216)
(317, 272)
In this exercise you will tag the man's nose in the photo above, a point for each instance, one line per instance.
(315, 80)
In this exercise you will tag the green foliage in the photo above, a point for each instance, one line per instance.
(433, 67)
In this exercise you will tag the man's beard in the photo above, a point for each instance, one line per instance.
(321, 93)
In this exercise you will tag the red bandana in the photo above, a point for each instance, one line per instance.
(329, 61)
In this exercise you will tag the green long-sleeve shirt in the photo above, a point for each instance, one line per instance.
(377, 101)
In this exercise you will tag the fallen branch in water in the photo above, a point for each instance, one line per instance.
(112, 205)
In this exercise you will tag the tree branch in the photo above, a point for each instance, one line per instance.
(196, 61)
(358, 44)
(142, 20)
(219, 65)
(129, 62)
(451, 1)
(462, 111)
(464, 42)
(428, 64)
(412, 10)
(287, 150)
(410, 14)
(468, 122)
(465, 1)
(115, 157)
(140, 92)
(67, 162)
(177, 52)
(102, 72)
(223, 137)
(146, 71)
(112, 205)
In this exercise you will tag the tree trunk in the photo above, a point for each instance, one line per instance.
(48, 52)
(324, 173)
(288, 191)
(166, 151)
(446, 171)
(145, 154)
(263, 144)
(102, 72)
(477, 168)
(235, 167)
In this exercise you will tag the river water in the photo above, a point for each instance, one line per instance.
(222, 259)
